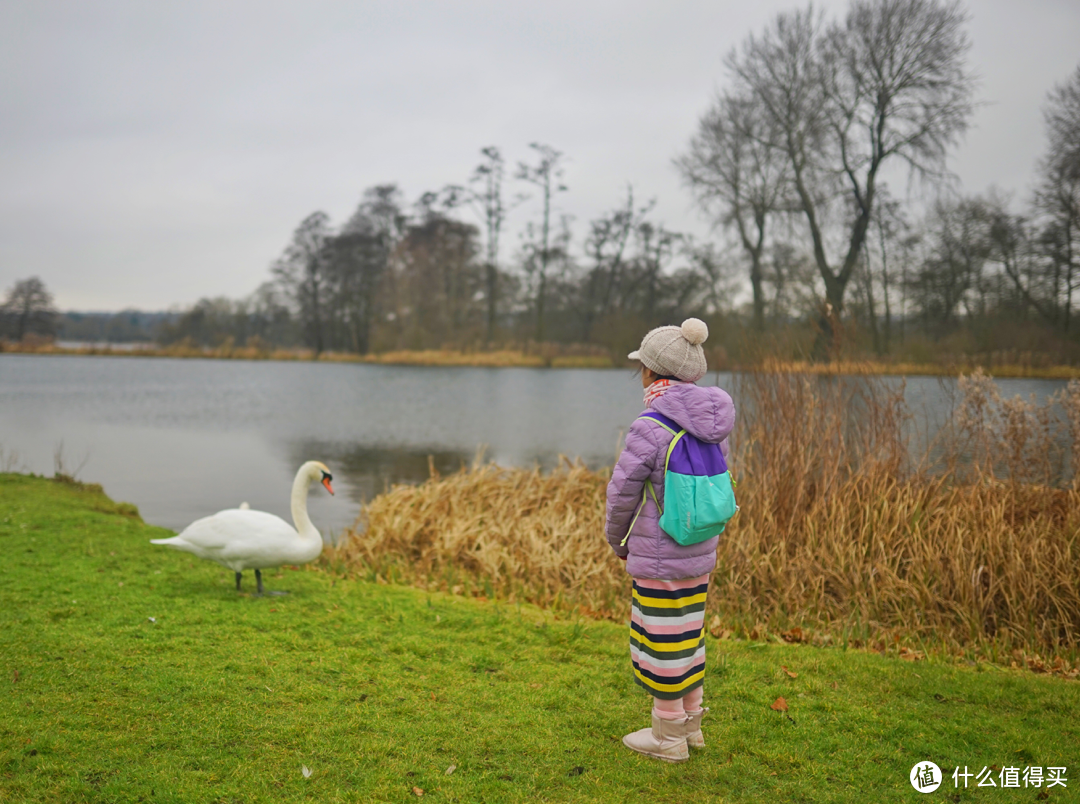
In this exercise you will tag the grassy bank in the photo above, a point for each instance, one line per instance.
(543, 356)
(841, 537)
(137, 674)
(556, 356)
(1020, 368)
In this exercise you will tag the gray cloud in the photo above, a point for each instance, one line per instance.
(154, 153)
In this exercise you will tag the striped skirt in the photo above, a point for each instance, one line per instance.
(667, 635)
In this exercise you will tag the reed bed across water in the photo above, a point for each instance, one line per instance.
(843, 535)
(530, 356)
(547, 355)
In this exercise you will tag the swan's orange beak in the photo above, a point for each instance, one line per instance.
(326, 482)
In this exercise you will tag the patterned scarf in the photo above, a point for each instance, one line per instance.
(657, 389)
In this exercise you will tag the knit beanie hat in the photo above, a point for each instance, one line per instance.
(675, 351)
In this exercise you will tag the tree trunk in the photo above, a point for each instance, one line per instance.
(756, 282)
(540, 292)
(491, 277)
(871, 307)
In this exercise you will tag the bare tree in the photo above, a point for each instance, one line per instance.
(302, 271)
(439, 281)
(957, 250)
(358, 260)
(546, 174)
(719, 274)
(28, 308)
(888, 84)
(891, 226)
(485, 197)
(732, 169)
(1057, 196)
(1011, 245)
(656, 245)
(609, 236)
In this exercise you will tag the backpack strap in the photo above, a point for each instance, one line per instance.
(659, 418)
(670, 426)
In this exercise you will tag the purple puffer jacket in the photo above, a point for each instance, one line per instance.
(705, 413)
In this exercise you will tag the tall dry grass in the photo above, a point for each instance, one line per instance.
(1025, 366)
(842, 532)
(534, 356)
(516, 533)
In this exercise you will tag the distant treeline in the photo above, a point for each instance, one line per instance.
(816, 255)
(127, 326)
(820, 257)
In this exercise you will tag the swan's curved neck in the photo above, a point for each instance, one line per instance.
(299, 507)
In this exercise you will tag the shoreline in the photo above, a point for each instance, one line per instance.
(545, 358)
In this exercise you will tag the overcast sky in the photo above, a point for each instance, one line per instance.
(152, 153)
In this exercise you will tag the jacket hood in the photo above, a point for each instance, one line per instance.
(707, 414)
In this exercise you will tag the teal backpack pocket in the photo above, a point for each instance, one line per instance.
(697, 507)
(699, 495)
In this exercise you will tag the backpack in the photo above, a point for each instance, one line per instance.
(698, 488)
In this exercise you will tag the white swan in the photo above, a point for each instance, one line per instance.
(240, 539)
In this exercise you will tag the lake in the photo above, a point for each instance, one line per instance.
(185, 438)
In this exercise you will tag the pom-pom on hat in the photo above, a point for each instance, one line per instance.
(675, 351)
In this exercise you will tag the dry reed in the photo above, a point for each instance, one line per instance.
(516, 533)
(1025, 364)
(1023, 367)
(841, 534)
(544, 356)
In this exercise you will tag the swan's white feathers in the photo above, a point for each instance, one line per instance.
(240, 539)
(243, 539)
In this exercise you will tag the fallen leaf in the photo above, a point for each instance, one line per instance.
(835, 686)
(304, 769)
(780, 705)
(15, 677)
(417, 791)
(909, 655)
(757, 632)
(451, 769)
(716, 628)
(789, 673)
(794, 635)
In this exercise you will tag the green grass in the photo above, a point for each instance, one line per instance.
(379, 689)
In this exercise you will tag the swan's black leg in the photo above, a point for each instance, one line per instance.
(238, 582)
(258, 580)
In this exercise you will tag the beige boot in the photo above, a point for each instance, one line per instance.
(666, 740)
(693, 729)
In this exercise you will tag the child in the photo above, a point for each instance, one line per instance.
(667, 644)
